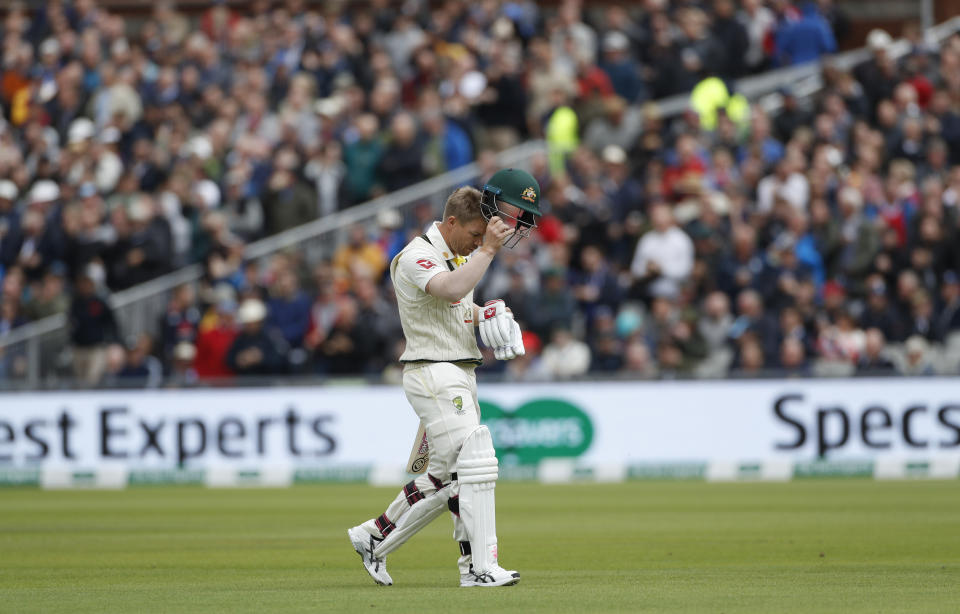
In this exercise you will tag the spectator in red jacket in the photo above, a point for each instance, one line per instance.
(217, 334)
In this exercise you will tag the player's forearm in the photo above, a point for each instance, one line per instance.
(454, 285)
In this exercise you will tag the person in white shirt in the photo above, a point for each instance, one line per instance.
(787, 183)
(664, 255)
(434, 281)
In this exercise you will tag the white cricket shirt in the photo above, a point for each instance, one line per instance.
(435, 329)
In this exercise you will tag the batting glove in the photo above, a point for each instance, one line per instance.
(515, 346)
(495, 324)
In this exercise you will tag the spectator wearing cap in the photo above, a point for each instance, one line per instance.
(92, 327)
(621, 189)
(256, 350)
(918, 360)
(876, 75)
(623, 71)
(183, 372)
(144, 244)
(47, 235)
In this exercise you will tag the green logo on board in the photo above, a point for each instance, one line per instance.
(544, 428)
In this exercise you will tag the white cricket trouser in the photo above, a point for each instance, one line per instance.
(444, 397)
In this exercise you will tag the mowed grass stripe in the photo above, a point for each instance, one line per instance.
(806, 546)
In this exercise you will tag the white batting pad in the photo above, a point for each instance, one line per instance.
(420, 515)
(477, 471)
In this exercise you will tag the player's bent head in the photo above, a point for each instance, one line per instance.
(463, 204)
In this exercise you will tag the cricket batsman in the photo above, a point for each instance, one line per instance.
(434, 277)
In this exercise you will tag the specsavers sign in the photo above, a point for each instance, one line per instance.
(594, 423)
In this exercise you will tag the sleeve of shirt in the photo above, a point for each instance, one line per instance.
(418, 266)
(639, 264)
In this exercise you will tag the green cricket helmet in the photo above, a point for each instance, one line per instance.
(518, 188)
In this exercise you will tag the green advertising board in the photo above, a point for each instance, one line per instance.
(538, 429)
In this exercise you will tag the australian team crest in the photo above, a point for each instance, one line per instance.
(458, 403)
(529, 195)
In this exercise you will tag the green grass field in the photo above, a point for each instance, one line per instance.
(806, 546)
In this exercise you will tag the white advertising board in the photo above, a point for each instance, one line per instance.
(594, 424)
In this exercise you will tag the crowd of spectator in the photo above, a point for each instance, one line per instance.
(723, 241)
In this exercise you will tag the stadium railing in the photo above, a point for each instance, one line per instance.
(41, 347)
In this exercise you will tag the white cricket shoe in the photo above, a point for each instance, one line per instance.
(497, 576)
(364, 543)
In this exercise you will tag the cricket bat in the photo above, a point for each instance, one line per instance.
(420, 454)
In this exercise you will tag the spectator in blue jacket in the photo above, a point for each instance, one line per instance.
(256, 350)
(623, 71)
(288, 309)
(805, 39)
